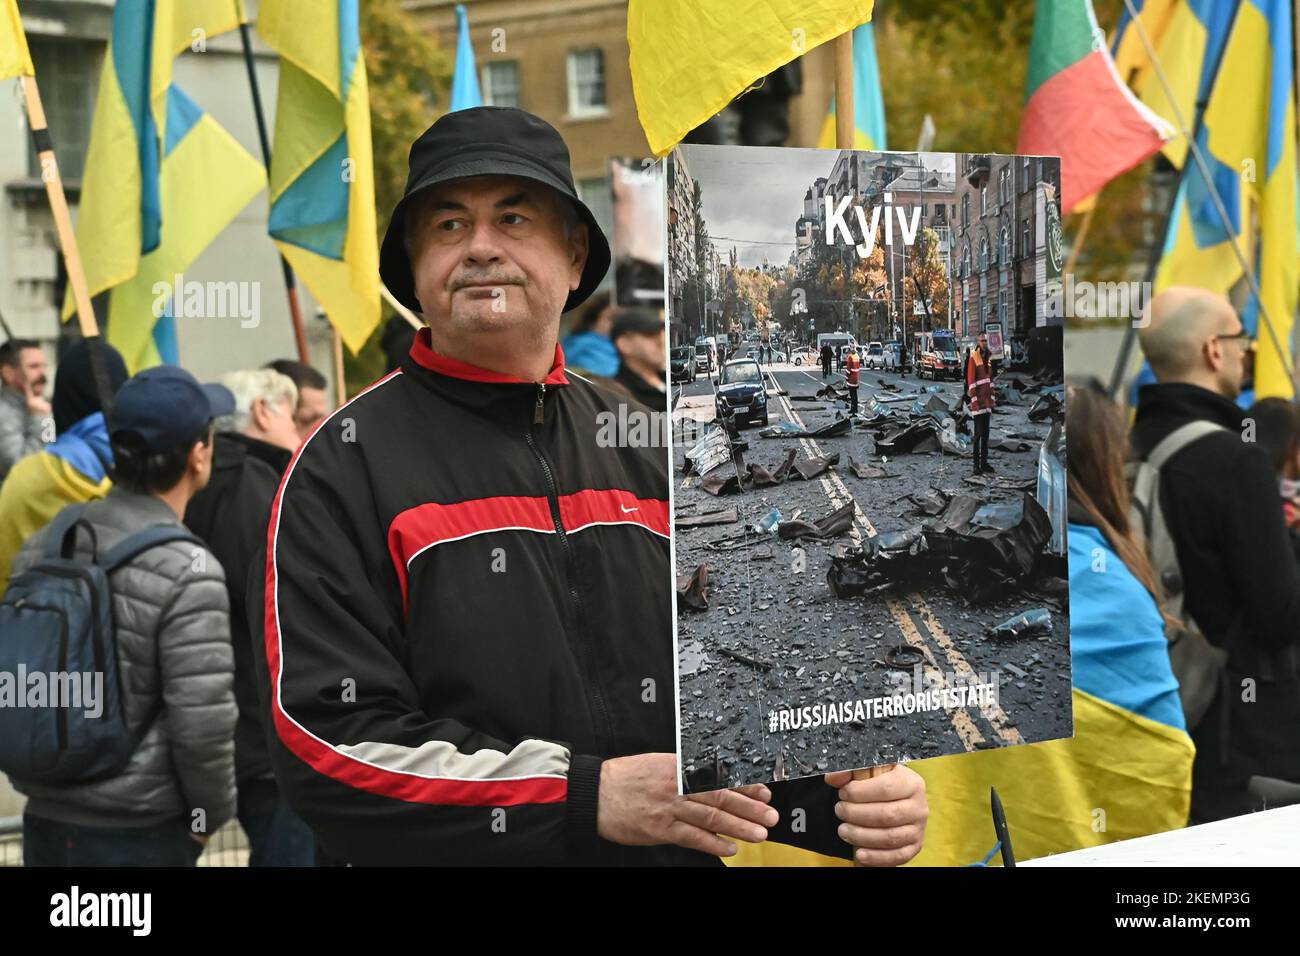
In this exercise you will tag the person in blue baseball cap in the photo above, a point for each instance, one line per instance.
(171, 624)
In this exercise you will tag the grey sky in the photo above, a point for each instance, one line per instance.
(753, 195)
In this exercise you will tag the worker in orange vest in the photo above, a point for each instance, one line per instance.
(852, 367)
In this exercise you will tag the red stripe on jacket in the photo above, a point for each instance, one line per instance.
(424, 526)
(324, 758)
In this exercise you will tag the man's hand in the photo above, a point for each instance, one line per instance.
(639, 806)
(883, 817)
(37, 407)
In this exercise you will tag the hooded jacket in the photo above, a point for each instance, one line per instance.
(1242, 587)
(467, 610)
(71, 469)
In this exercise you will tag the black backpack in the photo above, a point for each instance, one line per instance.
(64, 720)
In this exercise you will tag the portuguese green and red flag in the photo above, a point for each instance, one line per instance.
(1078, 108)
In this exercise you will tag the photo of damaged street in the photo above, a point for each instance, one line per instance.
(869, 500)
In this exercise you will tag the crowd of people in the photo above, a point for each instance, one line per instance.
(1207, 643)
(438, 629)
(170, 452)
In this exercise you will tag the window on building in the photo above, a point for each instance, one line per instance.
(984, 253)
(1004, 247)
(1002, 308)
(984, 199)
(965, 262)
(69, 75)
(501, 83)
(1025, 247)
(587, 83)
(1024, 174)
(1004, 185)
(965, 210)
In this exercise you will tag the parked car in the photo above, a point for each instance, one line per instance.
(805, 356)
(682, 364)
(877, 356)
(894, 354)
(741, 391)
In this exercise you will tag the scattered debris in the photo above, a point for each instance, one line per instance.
(1028, 624)
(810, 468)
(709, 452)
(1047, 407)
(744, 659)
(706, 518)
(693, 589)
(832, 429)
(869, 470)
(980, 550)
(904, 656)
(836, 523)
(767, 524)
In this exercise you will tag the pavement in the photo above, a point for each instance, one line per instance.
(775, 637)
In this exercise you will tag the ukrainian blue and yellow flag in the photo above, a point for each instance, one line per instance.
(465, 92)
(1250, 129)
(690, 58)
(162, 177)
(1126, 772)
(15, 60)
(868, 101)
(1187, 36)
(322, 173)
(1248, 140)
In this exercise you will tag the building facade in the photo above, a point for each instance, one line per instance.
(68, 41)
(1003, 233)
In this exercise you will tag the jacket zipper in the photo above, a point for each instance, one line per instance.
(582, 645)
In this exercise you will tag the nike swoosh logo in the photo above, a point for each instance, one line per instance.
(629, 510)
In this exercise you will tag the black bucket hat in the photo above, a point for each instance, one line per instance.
(488, 141)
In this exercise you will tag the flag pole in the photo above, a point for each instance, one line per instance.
(290, 281)
(49, 166)
(844, 137)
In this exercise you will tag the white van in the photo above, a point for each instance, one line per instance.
(706, 354)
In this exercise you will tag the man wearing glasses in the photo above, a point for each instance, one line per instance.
(1239, 578)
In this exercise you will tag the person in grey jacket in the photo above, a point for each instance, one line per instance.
(25, 422)
(171, 620)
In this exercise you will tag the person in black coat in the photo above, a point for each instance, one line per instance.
(251, 450)
(1240, 579)
(827, 356)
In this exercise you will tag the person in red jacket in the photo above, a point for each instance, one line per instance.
(466, 648)
(852, 376)
(979, 393)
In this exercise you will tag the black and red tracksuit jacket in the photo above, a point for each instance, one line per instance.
(468, 608)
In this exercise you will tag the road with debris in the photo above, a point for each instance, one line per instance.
(773, 637)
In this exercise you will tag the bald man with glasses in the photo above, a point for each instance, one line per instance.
(1239, 575)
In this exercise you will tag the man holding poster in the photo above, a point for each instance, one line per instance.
(467, 630)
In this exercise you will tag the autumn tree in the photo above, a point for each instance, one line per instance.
(409, 79)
